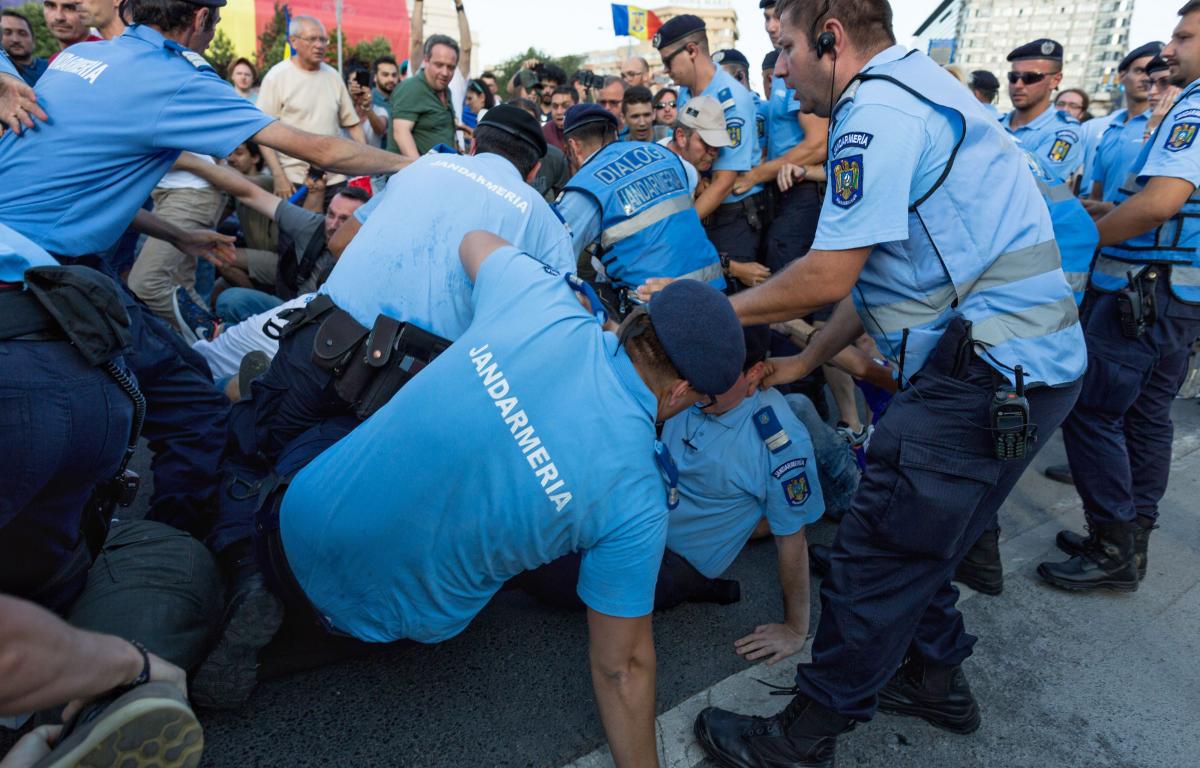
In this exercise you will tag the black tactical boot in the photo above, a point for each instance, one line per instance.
(981, 569)
(938, 695)
(1109, 563)
(818, 559)
(803, 735)
(1074, 543)
(253, 614)
(1059, 473)
(1141, 544)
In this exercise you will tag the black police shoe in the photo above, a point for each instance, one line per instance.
(940, 696)
(818, 559)
(227, 677)
(981, 569)
(1141, 548)
(1109, 563)
(1059, 473)
(1074, 543)
(803, 735)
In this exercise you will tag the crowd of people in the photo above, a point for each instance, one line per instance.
(398, 339)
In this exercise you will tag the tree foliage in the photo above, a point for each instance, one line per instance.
(509, 67)
(273, 40)
(44, 44)
(364, 52)
(220, 52)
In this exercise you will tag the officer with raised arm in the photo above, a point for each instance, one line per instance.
(632, 199)
(966, 297)
(1140, 319)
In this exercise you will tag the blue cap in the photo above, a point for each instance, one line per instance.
(701, 334)
(1157, 64)
(1042, 48)
(586, 114)
(677, 28)
(731, 56)
(766, 3)
(1141, 52)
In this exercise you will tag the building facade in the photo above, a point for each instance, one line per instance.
(978, 34)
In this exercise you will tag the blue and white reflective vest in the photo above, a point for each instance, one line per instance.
(980, 245)
(649, 226)
(1074, 229)
(1175, 242)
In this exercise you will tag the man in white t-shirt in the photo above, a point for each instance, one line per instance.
(698, 135)
(306, 93)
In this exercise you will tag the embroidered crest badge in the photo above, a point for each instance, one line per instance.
(1181, 137)
(847, 181)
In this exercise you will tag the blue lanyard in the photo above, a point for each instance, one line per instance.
(582, 286)
(669, 472)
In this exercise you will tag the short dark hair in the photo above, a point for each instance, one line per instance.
(699, 37)
(551, 72)
(354, 193)
(569, 91)
(252, 147)
(613, 79)
(637, 94)
(477, 85)
(1190, 7)
(13, 14)
(441, 40)
(870, 21)
(168, 15)
(488, 74)
(663, 92)
(383, 60)
(517, 151)
(644, 347)
(241, 60)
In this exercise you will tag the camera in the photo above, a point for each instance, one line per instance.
(590, 79)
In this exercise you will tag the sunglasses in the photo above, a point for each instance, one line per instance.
(667, 61)
(1029, 78)
(665, 105)
(1068, 105)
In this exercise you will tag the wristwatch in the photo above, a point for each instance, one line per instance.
(724, 257)
(144, 675)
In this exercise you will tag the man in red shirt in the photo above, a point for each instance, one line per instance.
(62, 19)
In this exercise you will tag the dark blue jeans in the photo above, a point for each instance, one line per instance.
(931, 486)
(1119, 435)
(64, 426)
(793, 226)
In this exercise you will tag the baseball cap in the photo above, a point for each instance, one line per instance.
(704, 115)
(701, 334)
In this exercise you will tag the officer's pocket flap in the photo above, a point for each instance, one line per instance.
(948, 460)
(338, 335)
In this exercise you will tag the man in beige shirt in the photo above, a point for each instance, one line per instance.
(306, 93)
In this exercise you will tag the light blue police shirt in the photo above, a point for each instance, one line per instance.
(740, 117)
(6, 65)
(1175, 152)
(1119, 148)
(120, 112)
(404, 263)
(904, 143)
(729, 479)
(529, 438)
(1054, 136)
(18, 253)
(783, 120)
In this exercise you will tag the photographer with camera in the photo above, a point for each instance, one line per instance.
(372, 118)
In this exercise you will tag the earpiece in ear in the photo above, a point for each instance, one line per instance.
(825, 43)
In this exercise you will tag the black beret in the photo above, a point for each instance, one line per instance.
(1141, 52)
(586, 114)
(208, 3)
(984, 80)
(766, 3)
(1043, 48)
(516, 122)
(770, 59)
(731, 56)
(701, 334)
(1157, 64)
(678, 27)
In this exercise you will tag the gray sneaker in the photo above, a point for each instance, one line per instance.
(150, 725)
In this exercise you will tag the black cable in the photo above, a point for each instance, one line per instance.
(131, 390)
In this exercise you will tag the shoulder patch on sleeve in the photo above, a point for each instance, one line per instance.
(725, 96)
(1181, 136)
(852, 139)
(1060, 149)
(788, 466)
(797, 490)
(1186, 114)
(847, 178)
(772, 433)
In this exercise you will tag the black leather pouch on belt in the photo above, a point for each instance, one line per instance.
(86, 306)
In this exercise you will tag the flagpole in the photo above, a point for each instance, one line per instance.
(341, 34)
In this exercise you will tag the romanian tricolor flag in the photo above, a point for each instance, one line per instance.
(634, 22)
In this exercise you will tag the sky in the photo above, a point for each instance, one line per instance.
(574, 26)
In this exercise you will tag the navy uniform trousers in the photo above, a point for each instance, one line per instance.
(185, 414)
(1118, 438)
(931, 486)
(793, 225)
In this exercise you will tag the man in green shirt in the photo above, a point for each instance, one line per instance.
(422, 112)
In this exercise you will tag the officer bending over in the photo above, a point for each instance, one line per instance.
(964, 327)
(741, 457)
(1140, 319)
(399, 289)
(411, 538)
(634, 199)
